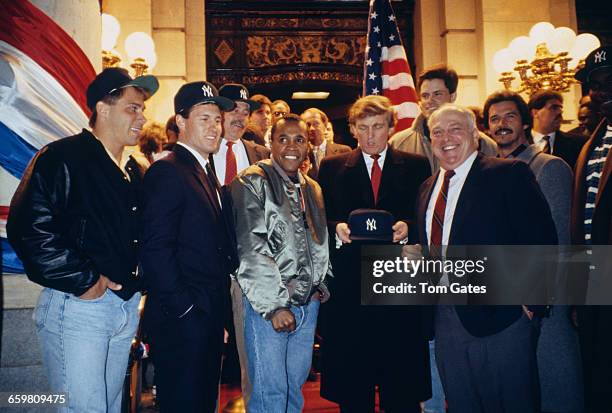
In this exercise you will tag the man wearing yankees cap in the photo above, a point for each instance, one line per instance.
(592, 225)
(187, 255)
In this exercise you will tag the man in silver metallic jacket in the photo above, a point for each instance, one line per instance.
(284, 260)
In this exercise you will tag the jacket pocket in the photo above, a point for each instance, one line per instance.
(42, 308)
(278, 237)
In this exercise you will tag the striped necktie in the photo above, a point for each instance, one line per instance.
(437, 221)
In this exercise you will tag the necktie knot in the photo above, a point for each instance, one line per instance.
(546, 148)
(448, 175)
(375, 157)
(230, 144)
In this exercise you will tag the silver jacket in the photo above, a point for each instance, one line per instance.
(282, 263)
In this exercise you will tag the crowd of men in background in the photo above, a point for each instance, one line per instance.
(239, 204)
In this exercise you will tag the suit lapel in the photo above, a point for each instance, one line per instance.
(250, 151)
(200, 175)
(388, 175)
(425, 197)
(359, 179)
(468, 194)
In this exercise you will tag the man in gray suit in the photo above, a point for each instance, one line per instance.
(506, 116)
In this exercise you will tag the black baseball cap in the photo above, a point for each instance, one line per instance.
(371, 225)
(113, 78)
(198, 93)
(238, 93)
(598, 59)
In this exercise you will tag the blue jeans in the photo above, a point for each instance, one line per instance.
(438, 401)
(278, 363)
(85, 347)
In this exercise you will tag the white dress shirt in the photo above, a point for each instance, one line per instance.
(319, 151)
(454, 190)
(242, 160)
(369, 161)
(538, 139)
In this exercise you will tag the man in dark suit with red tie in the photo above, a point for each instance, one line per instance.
(188, 252)
(485, 355)
(364, 347)
(235, 153)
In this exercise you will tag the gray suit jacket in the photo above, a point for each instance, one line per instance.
(555, 178)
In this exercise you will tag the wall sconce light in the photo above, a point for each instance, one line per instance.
(547, 59)
(141, 52)
(139, 46)
(110, 33)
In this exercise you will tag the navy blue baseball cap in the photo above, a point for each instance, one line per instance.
(199, 93)
(598, 59)
(238, 93)
(114, 78)
(371, 225)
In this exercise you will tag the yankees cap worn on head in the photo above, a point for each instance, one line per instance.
(199, 93)
(598, 59)
(371, 225)
(114, 78)
(238, 93)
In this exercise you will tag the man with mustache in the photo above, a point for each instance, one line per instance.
(187, 255)
(74, 222)
(235, 153)
(546, 109)
(592, 225)
(506, 117)
(436, 86)
(284, 262)
(322, 147)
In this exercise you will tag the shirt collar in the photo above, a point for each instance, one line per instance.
(462, 170)
(201, 160)
(537, 136)
(284, 175)
(321, 147)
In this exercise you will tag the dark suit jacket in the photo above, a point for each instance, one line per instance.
(568, 146)
(188, 244)
(254, 151)
(331, 149)
(370, 344)
(500, 204)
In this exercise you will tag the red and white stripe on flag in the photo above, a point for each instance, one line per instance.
(386, 69)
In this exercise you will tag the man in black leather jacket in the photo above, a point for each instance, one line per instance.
(74, 222)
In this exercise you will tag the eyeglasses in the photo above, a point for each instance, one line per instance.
(280, 114)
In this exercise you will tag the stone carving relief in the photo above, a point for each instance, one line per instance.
(285, 50)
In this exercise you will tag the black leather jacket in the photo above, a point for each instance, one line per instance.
(75, 216)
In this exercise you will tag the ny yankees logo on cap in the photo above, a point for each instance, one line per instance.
(207, 90)
(600, 56)
(243, 94)
(371, 224)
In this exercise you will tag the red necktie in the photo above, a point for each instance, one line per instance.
(437, 220)
(375, 177)
(231, 169)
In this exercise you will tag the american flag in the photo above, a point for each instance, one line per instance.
(386, 70)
